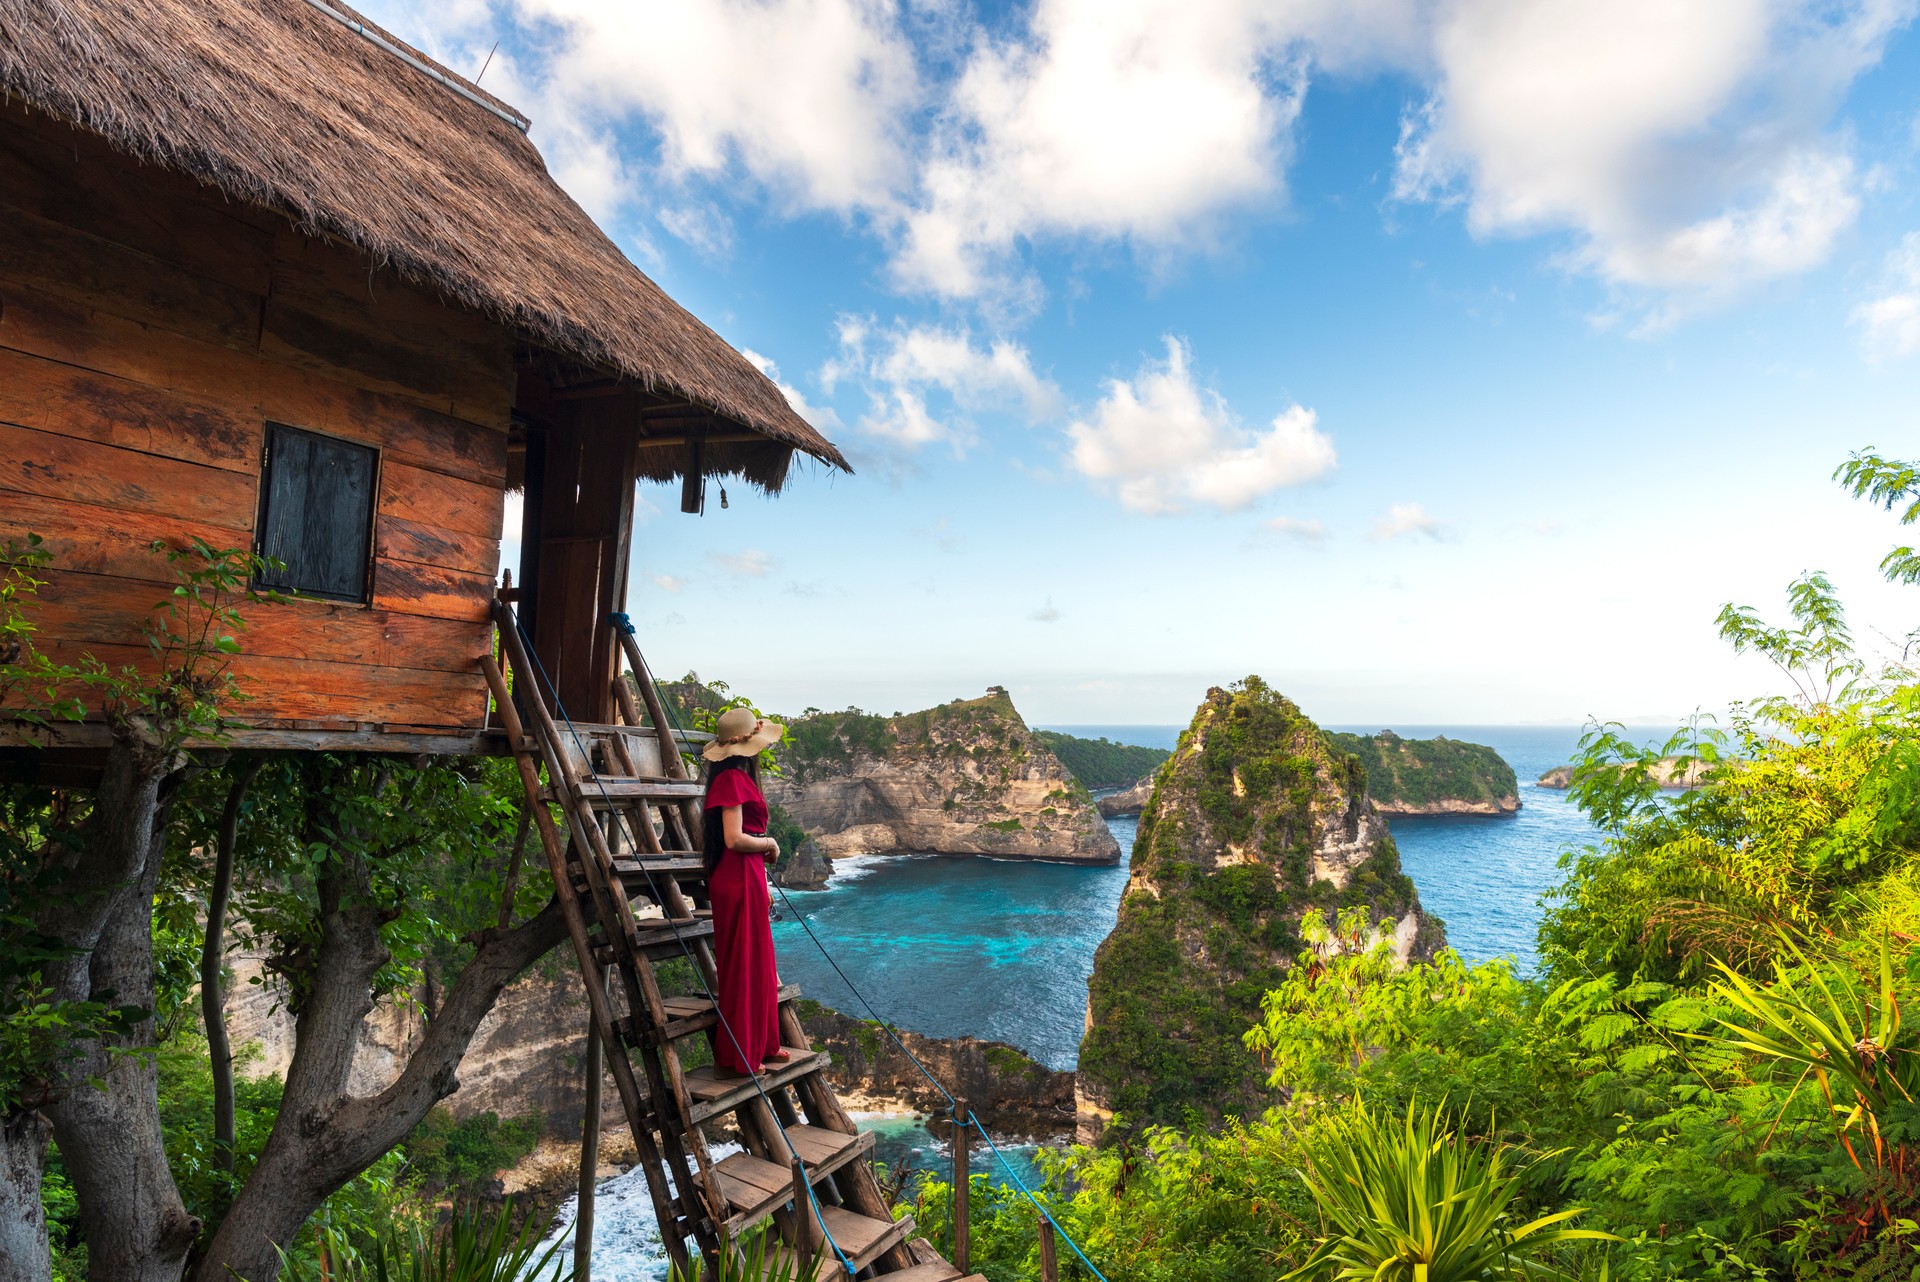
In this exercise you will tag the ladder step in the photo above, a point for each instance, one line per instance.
(862, 1239)
(681, 867)
(665, 940)
(716, 1095)
(755, 1187)
(690, 1015)
(598, 730)
(603, 791)
(940, 1271)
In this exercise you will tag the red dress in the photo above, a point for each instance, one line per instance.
(743, 936)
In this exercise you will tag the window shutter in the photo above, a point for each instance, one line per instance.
(316, 514)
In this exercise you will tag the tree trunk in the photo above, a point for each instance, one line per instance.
(212, 1009)
(23, 1223)
(322, 1138)
(107, 1117)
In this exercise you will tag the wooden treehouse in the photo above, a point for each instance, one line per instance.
(273, 279)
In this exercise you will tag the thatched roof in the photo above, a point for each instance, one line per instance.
(278, 104)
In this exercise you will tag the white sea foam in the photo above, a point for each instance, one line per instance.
(626, 1235)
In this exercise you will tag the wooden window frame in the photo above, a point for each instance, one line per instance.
(365, 599)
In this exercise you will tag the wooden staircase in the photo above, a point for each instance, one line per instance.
(632, 885)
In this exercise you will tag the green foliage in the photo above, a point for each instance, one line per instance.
(757, 1258)
(1411, 1199)
(1890, 483)
(477, 1244)
(464, 1156)
(1102, 763)
(1425, 771)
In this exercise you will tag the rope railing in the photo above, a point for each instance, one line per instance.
(886, 1026)
(686, 949)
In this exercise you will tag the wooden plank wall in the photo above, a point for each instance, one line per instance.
(148, 331)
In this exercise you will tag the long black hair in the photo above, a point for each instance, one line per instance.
(713, 841)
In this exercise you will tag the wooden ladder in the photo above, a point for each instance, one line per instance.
(630, 879)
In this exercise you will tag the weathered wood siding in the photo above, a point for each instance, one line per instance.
(149, 330)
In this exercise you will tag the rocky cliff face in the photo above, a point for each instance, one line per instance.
(964, 778)
(1127, 801)
(1254, 821)
(1009, 1092)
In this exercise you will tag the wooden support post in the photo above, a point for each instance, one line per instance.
(589, 1160)
(962, 1184)
(1049, 1266)
(807, 1236)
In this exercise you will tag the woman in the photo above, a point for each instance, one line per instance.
(737, 852)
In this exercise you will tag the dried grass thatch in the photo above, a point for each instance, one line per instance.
(277, 104)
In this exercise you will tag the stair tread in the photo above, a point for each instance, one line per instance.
(755, 1187)
(680, 1009)
(713, 1096)
(860, 1238)
(617, 788)
(940, 1272)
(667, 940)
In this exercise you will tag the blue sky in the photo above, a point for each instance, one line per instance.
(1440, 362)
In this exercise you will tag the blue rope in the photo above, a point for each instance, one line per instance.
(953, 1105)
(685, 949)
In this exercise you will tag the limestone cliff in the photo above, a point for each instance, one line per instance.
(1255, 820)
(1439, 776)
(1009, 1092)
(1127, 801)
(965, 778)
(1667, 772)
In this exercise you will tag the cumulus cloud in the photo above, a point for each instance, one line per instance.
(1687, 147)
(1164, 443)
(1408, 521)
(923, 381)
(751, 564)
(1890, 323)
(668, 582)
(1108, 118)
(1686, 150)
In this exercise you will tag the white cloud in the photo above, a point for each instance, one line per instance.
(821, 416)
(1300, 531)
(751, 564)
(1166, 443)
(810, 96)
(1110, 119)
(1890, 324)
(1047, 613)
(1408, 520)
(922, 381)
(1687, 146)
(667, 582)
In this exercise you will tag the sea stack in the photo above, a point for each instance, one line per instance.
(1256, 819)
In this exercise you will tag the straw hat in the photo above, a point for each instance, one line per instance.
(741, 733)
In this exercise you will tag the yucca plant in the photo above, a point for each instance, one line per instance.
(1410, 1199)
(1839, 1029)
(758, 1258)
(475, 1245)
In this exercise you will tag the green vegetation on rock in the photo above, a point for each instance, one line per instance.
(1102, 763)
(1417, 773)
(1223, 871)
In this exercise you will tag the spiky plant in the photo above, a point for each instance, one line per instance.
(1410, 1199)
(475, 1245)
(758, 1258)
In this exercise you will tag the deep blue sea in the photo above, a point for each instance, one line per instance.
(1002, 949)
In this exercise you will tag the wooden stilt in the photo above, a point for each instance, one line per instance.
(589, 1160)
(1049, 1266)
(962, 1184)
